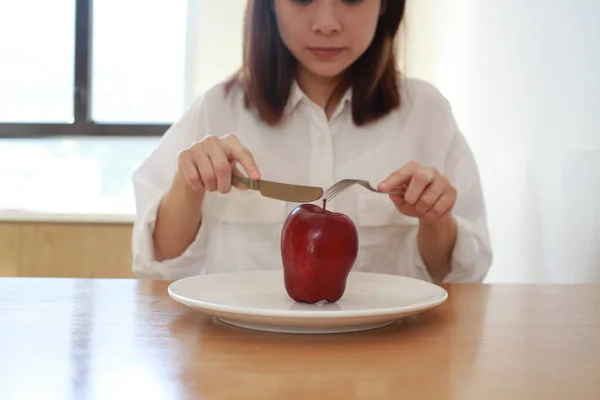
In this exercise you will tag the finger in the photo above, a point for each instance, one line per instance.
(234, 149)
(207, 173)
(221, 166)
(399, 191)
(397, 200)
(190, 172)
(419, 181)
(400, 177)
(431, 195)
(399, 197)
(192, 176)
(442, 207)
(236, 171)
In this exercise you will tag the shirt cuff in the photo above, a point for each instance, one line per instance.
(464, 256)
(422, 271)
(465, 253)
(145, 264)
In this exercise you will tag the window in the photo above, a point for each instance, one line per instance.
(136, 65)
(85, 68)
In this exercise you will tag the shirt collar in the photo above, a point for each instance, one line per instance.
(297, 95)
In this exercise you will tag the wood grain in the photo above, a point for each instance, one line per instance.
(121, 339)
(10, 250)
(32, 249)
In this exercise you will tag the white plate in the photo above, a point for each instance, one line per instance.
(258, 300)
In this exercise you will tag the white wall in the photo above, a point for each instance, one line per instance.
(214, 42)
(524, 78)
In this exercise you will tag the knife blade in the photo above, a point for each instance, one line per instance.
(279, 191)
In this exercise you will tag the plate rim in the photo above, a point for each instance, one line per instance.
(301, 314)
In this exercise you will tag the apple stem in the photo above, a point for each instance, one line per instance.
(324, 204)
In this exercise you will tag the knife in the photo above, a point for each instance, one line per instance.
(279, 191)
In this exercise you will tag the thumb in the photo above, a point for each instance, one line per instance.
(399, 178)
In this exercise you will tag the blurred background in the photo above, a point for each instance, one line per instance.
(523, 78)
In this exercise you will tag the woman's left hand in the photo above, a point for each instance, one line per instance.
(428, 195)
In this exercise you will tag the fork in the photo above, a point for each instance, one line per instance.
(344, 184)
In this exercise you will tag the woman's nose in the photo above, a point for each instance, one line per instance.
(326, 19)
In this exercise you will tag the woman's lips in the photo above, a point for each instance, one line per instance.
(326, 52)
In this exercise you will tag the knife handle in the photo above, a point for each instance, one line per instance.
(246, 183)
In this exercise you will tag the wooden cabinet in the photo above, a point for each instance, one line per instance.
(58, 249)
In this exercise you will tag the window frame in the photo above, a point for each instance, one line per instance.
(82, 125)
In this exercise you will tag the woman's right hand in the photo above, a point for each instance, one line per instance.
(209, 163)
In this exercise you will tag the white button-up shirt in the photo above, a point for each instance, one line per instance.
(241, 230)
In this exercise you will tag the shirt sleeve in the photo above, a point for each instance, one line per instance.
(472, 254)
(151, 180)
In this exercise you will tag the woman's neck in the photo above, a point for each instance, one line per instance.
(319, 89)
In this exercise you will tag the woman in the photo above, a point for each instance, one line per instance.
(318, 99)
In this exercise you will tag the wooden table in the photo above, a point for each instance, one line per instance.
(126, 339)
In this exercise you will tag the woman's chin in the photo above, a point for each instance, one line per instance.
(325, 71)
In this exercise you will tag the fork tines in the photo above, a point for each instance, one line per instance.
(338, 188)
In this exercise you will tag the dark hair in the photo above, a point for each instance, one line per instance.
(269, 68)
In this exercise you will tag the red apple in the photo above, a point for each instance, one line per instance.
(318, 249)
